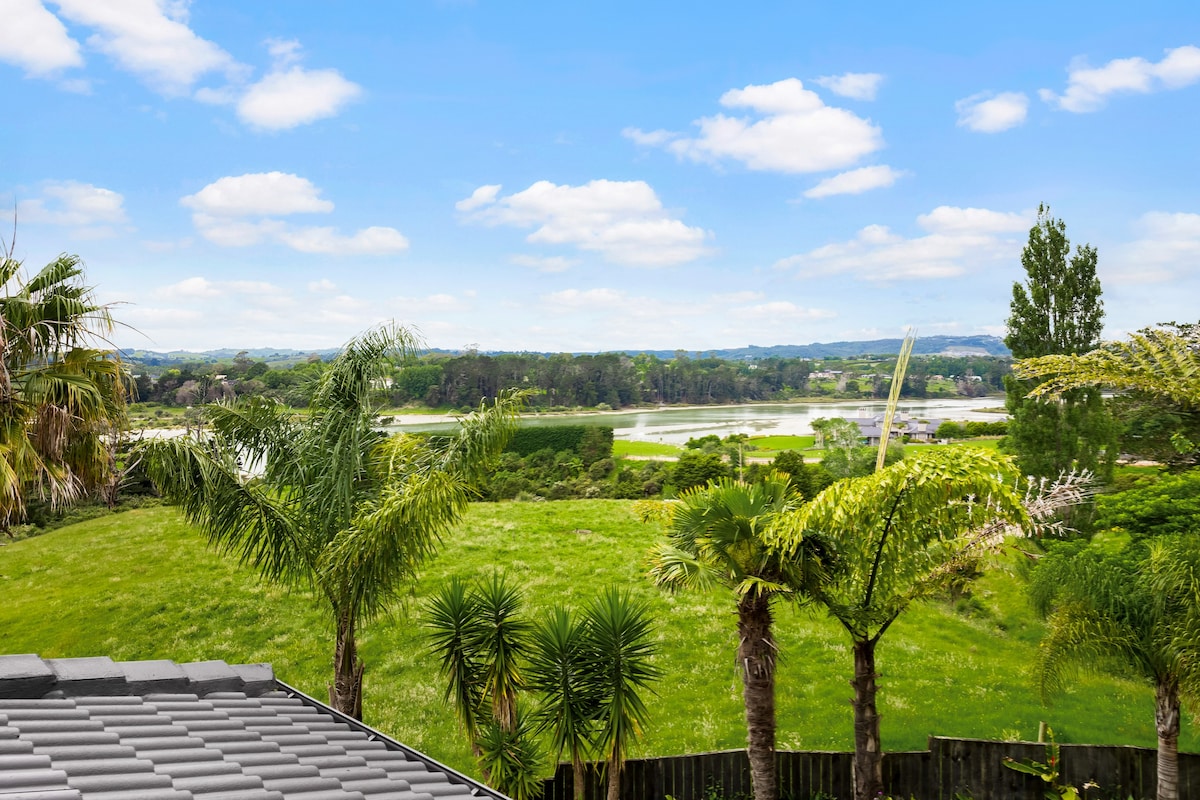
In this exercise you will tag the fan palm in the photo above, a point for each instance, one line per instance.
(332, 503)
(716, 539)
(59, 394)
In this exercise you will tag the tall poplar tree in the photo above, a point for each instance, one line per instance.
(1057, 311)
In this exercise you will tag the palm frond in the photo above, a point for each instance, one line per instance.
(620, 650)
(454, 627)
(558, 671)
(1158, 361)
(353, 376)
(483, 434)
(243, 518)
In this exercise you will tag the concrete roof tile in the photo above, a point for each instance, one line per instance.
(25, 676)
(155, 729)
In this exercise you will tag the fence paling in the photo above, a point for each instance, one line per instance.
(948, 767)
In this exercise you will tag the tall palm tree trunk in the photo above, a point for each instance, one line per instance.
(345, 694)
(868, 763)
(756, 657)
(1166, 720)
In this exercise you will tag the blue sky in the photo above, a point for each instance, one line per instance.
(596, 176)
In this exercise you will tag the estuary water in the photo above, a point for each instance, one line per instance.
(676, 425)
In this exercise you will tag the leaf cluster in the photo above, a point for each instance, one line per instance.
(587, 672)
(325, 500)
(59, 393)
(1134, 610)
(900, 533)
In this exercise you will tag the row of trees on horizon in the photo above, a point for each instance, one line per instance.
(608, 380)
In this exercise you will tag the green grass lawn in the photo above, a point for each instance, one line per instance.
(981, 442)
(141, 585)
(770, 446)
(626, 447)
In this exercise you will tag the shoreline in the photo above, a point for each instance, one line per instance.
(399, 420)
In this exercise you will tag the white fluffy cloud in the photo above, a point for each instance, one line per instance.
(368, 241)
(572, 300)
(624, 221)
(151, 39)
(258, 193)
(856, 181)
(1088, 87)
(35, 40)
(1167, 249)
(991, 113)
(956, 241)
(479, 198)
(795, 132)
(244, 210)
(634, 320)
(544, 263)
(290, 95)
(89, 210)
(855, 85)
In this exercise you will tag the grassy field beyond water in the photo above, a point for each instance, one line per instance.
(142, 585)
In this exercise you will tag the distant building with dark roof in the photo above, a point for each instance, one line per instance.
(916, 430)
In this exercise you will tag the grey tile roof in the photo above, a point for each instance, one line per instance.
(95, 729)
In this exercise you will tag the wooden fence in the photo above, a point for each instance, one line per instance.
(963, 767)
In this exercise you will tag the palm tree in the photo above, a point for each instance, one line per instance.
(716, 539)
(331, 503)
(58, 392)
(902, 534)
(1139, 609)
(454, 635)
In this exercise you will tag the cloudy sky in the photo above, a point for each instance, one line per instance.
(596, 176)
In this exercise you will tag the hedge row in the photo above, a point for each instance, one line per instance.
(590, 442)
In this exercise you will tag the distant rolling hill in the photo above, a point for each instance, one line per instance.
(926, 345)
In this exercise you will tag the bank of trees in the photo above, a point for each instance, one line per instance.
(612, 380)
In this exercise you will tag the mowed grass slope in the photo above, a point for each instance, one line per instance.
(142, 585)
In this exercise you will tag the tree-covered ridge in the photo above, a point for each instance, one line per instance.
(612, 380)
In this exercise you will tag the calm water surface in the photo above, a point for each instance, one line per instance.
(677, 425)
